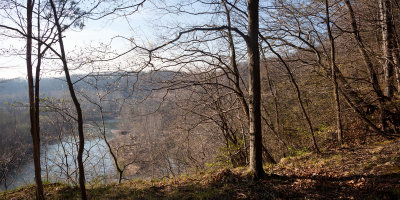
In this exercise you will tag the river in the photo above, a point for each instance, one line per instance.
(58, 161)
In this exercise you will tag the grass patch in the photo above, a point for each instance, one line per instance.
(302, 175)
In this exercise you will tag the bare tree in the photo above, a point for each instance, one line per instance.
(385, 9)
(339, 126)
(251, 42)
(103, 93)
(367, 60)
(256, 163)
(74, 99)
(298, 93)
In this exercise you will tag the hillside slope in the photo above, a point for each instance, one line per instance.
(363, 172)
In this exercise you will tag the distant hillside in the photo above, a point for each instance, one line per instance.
(16, 90)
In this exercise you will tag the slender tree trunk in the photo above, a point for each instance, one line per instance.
(396, 59)
(99, 104)
(37, 78)
(239, 91)
(340, 77)
(396, 51)
(273, 93)
(277, 127)
(339, 126)
(33, 111)
(297, 88)
(256, 163)
(370, 67)
(300, 100)
(387, 46)
(367, 60)
(115, 159)
(76, 103)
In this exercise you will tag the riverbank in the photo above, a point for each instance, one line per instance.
(58, 159)
(362, 172)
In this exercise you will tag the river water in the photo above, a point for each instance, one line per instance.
(58, 161)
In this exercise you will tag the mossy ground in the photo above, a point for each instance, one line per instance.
(362, 172)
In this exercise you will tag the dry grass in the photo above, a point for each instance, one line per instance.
(364, 172)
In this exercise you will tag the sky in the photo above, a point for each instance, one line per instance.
(144, 26)
(138, 25)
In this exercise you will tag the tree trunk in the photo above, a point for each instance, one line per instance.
(298, 93)
(367, 60)
(273, 93)
(277, 127)
(76, 103)
(238, 90)
(370, 67)
(396, 59)
(339, 126)
(387, 46)
(236, 72)
(256, 163)
(110, 150)
(33, 105)
(396, 56)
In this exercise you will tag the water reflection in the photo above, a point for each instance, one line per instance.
(58, 162)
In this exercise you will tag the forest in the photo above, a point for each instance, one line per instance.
(199, 99)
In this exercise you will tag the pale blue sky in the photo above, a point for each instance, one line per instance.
(94, 33)
(144, 26)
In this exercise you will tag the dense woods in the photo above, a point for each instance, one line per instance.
(223, 84)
